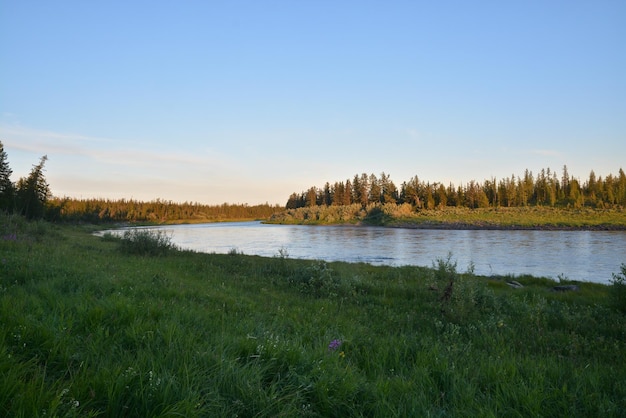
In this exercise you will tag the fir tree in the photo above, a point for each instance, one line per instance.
(7, 188)
(33, 192)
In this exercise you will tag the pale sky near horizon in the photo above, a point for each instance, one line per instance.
(249, 101)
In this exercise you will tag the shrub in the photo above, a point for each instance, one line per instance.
(461, 296)
(110, 237)
(445, 269)
(618, 289)
(146, 242)
(317, 280)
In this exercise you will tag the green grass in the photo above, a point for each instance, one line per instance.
(91, 329)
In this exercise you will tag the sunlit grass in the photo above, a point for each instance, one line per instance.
(89, 330)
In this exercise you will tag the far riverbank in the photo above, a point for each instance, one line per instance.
(403, 216)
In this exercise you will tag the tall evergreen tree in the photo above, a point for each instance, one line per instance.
(553, 185)
(363, 189)
(356, 189)
(33, 192)
(375, 190)
(575, 197)
(491, 191)
(592, 190)
(347, 193)
(389, 191)
(410, 192)
(294, 201)
(7, 188)
(429, 200)
(564, 184)
(621, 188)
(452, 195)
(328, 197)
(441, 197)
(311, 197)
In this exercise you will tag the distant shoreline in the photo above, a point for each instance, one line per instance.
(465, 226)
(469, 226)
(531, 218)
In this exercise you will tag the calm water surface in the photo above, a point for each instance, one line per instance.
(577, 255)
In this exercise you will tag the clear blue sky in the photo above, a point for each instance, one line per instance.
(249, 101)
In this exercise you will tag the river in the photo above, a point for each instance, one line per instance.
(576, 255)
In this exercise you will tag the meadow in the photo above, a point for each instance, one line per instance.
(132, 326)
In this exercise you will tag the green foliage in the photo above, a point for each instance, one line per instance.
(88, 331)
(461, 296)
(146, 242)
(445, 270)
(317, 280)
(618, 289)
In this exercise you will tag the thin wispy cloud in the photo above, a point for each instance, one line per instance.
(546, 153)
(104, 150)
(17, 130)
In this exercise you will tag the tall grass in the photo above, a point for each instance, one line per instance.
(90, 331)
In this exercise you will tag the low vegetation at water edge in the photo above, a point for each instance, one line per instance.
(108, 326)
(404, 215)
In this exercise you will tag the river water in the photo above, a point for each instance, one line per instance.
(576, 255)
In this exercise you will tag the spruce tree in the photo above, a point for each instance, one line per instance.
(7, 188)
(33, 192)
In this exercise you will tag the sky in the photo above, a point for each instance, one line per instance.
(250, 101)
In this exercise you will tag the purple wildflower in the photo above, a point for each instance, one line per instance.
(334, 345)
(10, 237)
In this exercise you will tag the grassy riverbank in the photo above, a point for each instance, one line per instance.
(94, 327)
(534, 217)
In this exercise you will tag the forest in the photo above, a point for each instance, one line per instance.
(158, 211)
(31, 197)
(543, 189)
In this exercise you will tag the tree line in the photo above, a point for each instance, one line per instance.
(130, 210)
(543, 189)
(31, 197)
(27, 197)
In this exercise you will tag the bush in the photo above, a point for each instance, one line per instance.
(618, 289)
(317, 280)
(146, 242)
(462, 296)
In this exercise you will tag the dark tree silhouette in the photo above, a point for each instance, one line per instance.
(7, 188)
(33, 192)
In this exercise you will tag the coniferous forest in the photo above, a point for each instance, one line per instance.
(123, 210)
(31, 197)
(544, 189)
